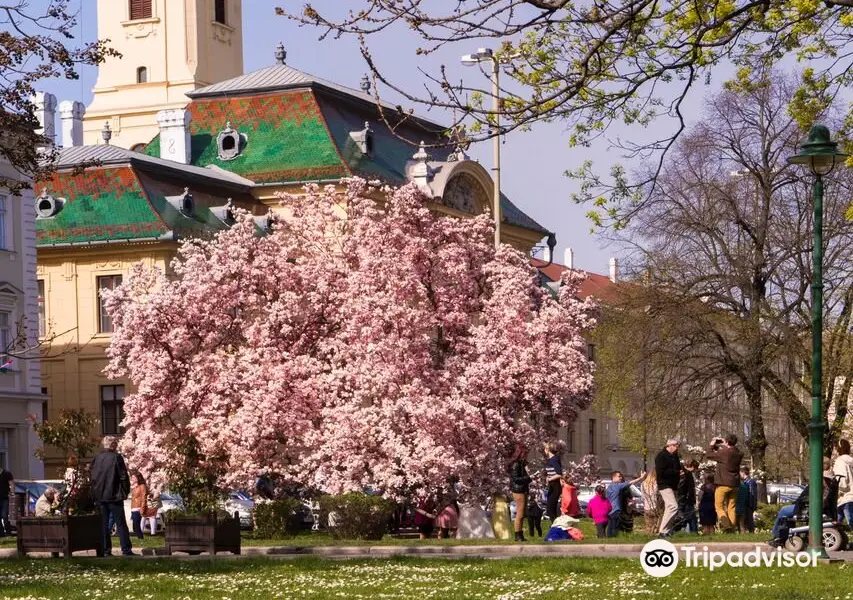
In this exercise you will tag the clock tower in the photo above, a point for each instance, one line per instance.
(168, 48)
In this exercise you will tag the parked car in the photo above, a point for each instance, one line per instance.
(784, 492)
(238, 502)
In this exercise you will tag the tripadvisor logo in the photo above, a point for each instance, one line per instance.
(659, 558)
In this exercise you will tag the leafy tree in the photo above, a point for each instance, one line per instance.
(721, 252)
(593, 64)
(70, 433)
(35, 45)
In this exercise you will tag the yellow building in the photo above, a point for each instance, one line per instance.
(247, 138)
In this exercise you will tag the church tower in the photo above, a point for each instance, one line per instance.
(168, 48)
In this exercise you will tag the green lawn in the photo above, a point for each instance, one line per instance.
(322, 539)
(316, 579)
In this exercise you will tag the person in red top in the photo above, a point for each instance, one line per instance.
(598, 509)
(569, 504)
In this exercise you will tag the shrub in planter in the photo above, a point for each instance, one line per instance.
(277, 519)
(356, 516)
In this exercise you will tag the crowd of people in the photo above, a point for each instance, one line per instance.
(676, 496)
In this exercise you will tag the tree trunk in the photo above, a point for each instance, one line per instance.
(757, 445)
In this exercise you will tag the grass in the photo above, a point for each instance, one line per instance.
(309, 539)
(317, 579)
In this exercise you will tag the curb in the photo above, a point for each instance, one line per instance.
(486, 551)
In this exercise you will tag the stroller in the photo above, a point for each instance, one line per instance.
(794, 533)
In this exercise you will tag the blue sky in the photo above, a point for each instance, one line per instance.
(533, 162)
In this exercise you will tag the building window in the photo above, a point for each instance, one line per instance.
(108, 282)
(4, 448)
(590, 352)
(570, 439)
(6, 338)
(112, 409)
(142, 75)
(42, 312)
(44, 406)
(140, 9)
(591, 448)
(219, 11)
(3, 222)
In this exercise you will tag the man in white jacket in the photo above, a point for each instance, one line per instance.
(844, 466)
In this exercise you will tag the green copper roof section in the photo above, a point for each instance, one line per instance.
(101, 205)
(286, 138)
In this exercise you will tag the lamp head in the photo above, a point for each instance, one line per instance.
(482, 54)
(819, 153)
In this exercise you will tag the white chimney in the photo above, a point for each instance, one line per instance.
(614, 270)
(175, 141)
(46, 115)
(569, 258)
(546, 254)
(71, 120)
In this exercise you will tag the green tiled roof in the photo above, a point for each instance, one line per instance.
(287, 137)
(101, 204)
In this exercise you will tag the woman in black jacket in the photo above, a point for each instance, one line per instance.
(519, 479)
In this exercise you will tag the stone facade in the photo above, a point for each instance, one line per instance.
(20, 382)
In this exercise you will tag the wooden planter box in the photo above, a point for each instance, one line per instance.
(60, 534)
(202, 534)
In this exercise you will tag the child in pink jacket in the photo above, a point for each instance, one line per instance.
(598, 509)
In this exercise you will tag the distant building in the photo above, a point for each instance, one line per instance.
(20, 318)
(237, 142)
(594, 432)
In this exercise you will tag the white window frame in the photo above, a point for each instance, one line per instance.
(4, 219)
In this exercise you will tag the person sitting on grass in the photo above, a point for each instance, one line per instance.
(598, 510)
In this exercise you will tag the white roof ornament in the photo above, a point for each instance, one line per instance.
(280, 54)
(365, 84)
(420, 171)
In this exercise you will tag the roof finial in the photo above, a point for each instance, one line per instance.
(107, 133)
(280, 54)
(365, 84)
(421, 155)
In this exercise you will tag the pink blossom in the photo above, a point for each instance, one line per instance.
(388, 349)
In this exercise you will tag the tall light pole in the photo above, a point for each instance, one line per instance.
(469, 60)
(820, 154)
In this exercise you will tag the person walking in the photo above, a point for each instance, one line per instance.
(614, 494)
(727, 478)
(110, 486)
(553, 474)
(843, 466)
(7, 488)
(598, 510)
(687, 497)
(668, 467)
(519, 482)
(138, 502)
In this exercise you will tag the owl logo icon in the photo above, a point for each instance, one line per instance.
(659, 558)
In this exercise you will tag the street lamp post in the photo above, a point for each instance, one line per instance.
(469, 60)
(820, 154)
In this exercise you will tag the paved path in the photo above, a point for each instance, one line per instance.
(487, 551)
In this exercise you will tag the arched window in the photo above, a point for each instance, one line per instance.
(140, 9)
(219, 11)
(142, 75)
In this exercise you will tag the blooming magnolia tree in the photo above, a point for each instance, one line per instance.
(585, 472)
(388, 349)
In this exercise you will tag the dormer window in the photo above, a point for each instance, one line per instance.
(364, 139)
(142, 75)
(230, 142)
(47, 206)
(187, 204)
